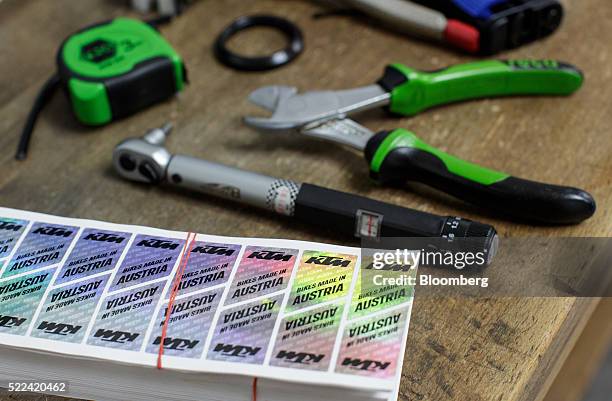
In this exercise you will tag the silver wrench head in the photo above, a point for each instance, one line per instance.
(143, 159)
(268, 97)
(292, 110)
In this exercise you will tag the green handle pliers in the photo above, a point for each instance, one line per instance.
(399, 155)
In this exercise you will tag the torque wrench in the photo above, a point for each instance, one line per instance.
(147, 160)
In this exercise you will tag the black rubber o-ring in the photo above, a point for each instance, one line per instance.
(276, 59)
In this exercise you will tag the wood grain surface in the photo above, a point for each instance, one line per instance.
(502, 349)
(575, 378)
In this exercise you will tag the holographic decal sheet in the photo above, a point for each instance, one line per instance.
(273, 308)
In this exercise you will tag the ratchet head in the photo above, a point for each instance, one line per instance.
(292, 110)
(143, 159)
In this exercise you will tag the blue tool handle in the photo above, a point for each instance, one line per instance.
(481, 9)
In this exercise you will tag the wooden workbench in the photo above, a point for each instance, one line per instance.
(458, 349)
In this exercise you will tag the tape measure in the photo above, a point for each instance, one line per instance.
(111, 70)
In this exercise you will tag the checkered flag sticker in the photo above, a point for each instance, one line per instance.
(281, 196)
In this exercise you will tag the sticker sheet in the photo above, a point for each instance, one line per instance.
(281, 309)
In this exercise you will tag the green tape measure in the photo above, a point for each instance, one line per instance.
(111, 70)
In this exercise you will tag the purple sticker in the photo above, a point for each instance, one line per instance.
(188, 324)
(306, 340)
(209, 265)
(44, 245)
(261, 271)
(10, 232)
(242, 333)
(124, 317)
(68, 310)
(95, 251)
(148, 258)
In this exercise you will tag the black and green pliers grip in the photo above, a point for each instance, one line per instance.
(413, 91)
(400, 155)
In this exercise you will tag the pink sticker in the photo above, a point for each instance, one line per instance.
(306, 340)
(262, 271)
(243, 333)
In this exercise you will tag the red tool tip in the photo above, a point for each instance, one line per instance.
(462, 35)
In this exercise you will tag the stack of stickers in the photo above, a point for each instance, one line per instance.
(127, 312)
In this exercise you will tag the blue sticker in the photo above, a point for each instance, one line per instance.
(44, 245)
(95, 251)
(10, 232)
(148, 258)
(68, 310)
(188, 325)
(209, 265)
(124, 317)
(243, 333)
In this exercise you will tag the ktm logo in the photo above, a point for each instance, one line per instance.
(367, 364)
(157, 243)
(120, 337)
(55, 231)
(270, 255)
(300, 357)
(179, 344)
(236, 350)
(390, 267)
(104, 237)
(11, 321)
(329, 261)
(61, 329)
(213, 250)
(6, 225)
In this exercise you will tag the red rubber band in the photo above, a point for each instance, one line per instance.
(177, 281)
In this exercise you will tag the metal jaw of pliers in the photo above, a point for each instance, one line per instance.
(399, 155)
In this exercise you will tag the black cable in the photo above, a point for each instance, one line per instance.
(47, 90)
